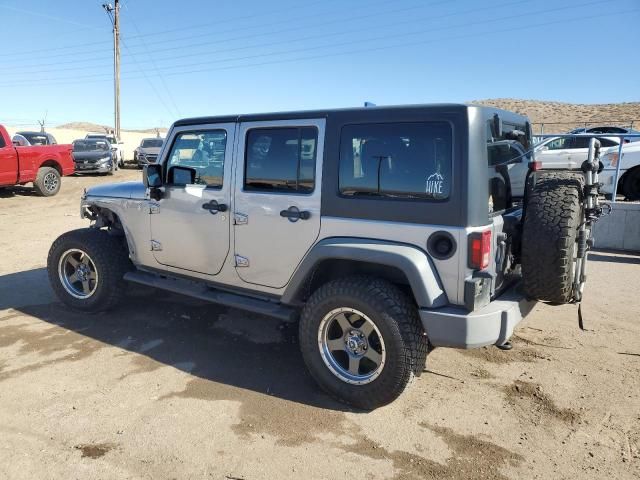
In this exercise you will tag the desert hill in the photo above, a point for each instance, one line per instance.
(566, 116)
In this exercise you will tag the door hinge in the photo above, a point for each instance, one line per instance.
(240, 219)
(241, 261)
(154, 207)
(156, 246)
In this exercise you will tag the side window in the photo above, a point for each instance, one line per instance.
(2, 144)
(604, 142)
(581, 142)
(202, 150)
(401, 160)
(559, 144)
(281, 159)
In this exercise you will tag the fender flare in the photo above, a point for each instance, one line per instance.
(415, 263)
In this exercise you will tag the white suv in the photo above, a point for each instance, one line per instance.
(629, 181)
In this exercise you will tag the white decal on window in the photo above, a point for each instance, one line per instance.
(435, 183)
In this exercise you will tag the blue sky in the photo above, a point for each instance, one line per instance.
(206, 57)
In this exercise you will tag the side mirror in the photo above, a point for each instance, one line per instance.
(544, 148)
(152, 176)
(181, 175)
(152, 179)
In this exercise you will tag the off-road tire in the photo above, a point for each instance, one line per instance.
(111, 259)
(395, 316)
(631, 184)
(552, 219)
(40, 184)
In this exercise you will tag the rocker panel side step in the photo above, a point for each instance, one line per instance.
(209, 294)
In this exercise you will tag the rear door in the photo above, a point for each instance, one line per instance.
(190, 224)
(277, 198)
(555, 151)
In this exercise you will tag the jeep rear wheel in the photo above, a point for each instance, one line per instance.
(86, 267)
(362, 340)
(551, 256)
(47, 182)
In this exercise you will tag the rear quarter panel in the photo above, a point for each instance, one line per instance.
(32, 158)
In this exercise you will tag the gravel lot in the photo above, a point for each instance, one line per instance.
(170, 388)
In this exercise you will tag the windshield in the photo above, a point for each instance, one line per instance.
(90, 145)
(152, 143)
(109, 138)
(35, 138)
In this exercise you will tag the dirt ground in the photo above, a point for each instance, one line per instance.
(170, 388)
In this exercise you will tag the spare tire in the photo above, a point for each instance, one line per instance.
(550, 250)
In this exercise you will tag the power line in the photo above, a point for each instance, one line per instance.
(226, 40)
(365, 40)
(49, 17)
(154, 33)
(173, 40)
(155, 67)
(380, 48)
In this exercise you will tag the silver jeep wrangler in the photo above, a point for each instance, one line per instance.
(384, 231)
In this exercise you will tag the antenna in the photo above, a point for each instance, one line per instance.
(43, 122)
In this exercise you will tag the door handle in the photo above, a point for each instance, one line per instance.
(294, 214)
(214, 207)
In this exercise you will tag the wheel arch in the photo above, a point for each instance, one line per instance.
(103, 217)
(53, 164)
(404, 265)
(625, 174)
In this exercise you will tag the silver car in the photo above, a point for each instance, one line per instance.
(148, 150)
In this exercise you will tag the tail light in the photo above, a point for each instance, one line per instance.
(479, 250)
(535, 166)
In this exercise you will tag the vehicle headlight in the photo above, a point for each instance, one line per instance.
(610, 160)
(105, 159)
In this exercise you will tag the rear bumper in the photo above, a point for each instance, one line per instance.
(490, 325)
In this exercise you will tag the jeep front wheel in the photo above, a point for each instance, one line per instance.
(86, 267)
(362, 340)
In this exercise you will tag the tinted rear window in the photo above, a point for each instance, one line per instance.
(404, 160)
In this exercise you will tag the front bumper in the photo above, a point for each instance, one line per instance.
(491, 325)
(94, 167)
(146, 159)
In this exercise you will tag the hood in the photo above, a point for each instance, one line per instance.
(149, 150)
(92, 155)
(133, 190)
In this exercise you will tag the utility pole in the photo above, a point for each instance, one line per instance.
(114, 15)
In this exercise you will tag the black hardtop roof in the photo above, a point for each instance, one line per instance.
(431, 108)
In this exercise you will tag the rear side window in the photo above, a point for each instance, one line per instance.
(281, 159)
(403, 160)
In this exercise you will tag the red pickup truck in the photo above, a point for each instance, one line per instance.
(43, 165)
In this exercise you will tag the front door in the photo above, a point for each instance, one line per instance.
(277, 198)
(8, 164)
(190, 224)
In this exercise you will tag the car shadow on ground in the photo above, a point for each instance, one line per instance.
(8, 192)
(613, 256)
(207, 341)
